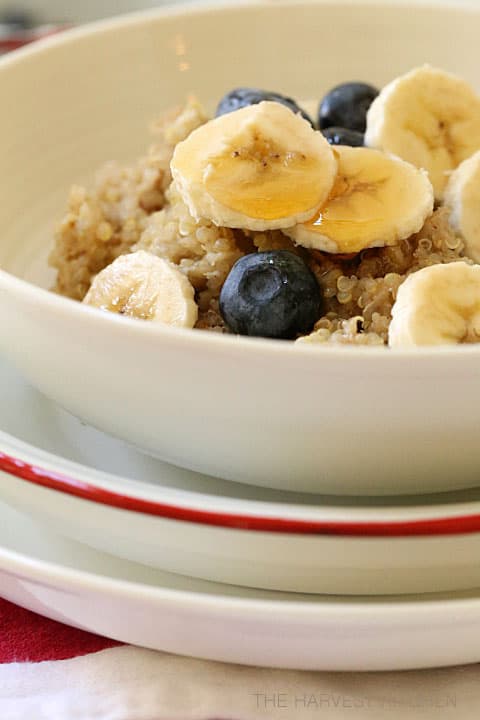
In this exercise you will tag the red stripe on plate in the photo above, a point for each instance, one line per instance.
(56, 481)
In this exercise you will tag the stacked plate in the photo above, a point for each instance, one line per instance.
(206, 567)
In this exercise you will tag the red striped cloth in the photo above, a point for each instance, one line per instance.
(49, 671)
(27, 637)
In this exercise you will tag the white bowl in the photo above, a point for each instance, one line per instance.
(262, 412)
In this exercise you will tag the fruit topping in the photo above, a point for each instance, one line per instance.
(147, 287)
(438, 305)
(343, 136)
(346, 106)
(428, 117)
(243, 97)
(377, 200)
(258, 168)
(270, 294)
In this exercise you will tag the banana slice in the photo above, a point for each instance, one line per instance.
(462, 197)
(258, 168)
(377, 200)
(144, 286)
(428, 117)
(437, 305)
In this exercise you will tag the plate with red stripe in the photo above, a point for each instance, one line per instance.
(97, 490)
(131, 603)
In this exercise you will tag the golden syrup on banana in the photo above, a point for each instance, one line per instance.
(371, 196)
(261, 163)
(355, 207)
(262, 181)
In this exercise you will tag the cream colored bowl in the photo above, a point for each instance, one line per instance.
(360, 421)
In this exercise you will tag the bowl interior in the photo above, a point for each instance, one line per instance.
(88, 97)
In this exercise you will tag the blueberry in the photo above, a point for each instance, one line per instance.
(346, 106)
(343, 136)
(243, 97)
(270, 294)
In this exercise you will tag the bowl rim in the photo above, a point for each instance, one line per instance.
(262, 347)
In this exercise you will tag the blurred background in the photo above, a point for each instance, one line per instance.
(25, 14)
(69, 11)
(75, 11)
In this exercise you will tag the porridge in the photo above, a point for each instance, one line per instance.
(258, 223)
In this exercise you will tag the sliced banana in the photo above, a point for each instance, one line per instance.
(258, 168)
(437, 305)
(428, 117)
(144, 286)
(377, 200)
(462, 197)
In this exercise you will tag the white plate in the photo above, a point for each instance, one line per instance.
(269, 413)
(70, 583)
(178, 521)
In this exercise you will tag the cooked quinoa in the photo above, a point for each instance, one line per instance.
(102, 224)
(139, 208)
